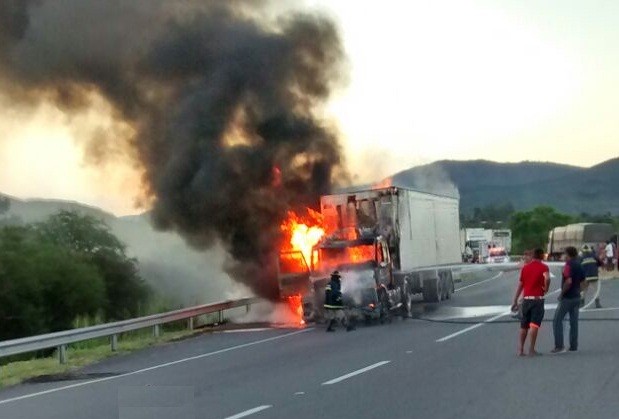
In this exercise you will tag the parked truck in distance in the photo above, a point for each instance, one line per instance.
(388, 243)
(577, 235)
(486, 245)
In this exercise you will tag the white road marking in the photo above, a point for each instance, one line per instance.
(473, 327)
(597, 295)
(352, 374)
(155, 367)
(480, 282)
(478, 325)
(594, 310)
(299, 393)
(250, 412)
(409, 352)
(258, 329)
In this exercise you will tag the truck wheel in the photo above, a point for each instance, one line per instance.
(450, 285)
(407, 302)
(431, 290)
(383, 299)
(447, 288)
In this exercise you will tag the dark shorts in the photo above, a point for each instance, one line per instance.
(532, 313)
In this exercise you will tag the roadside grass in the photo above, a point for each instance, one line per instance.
(88, 352)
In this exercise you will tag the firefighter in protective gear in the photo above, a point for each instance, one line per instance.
(334, 306)
(590, 264)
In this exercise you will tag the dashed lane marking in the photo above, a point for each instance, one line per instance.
(354, 373)
(155, 367)
(473, 327)
(250, 412)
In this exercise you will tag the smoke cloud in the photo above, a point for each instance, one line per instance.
(217, 102)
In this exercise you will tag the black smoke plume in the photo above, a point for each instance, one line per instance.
(221, 99)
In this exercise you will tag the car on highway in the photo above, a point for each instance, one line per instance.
(497, 255)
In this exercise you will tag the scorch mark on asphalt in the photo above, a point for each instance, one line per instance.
(354, 373)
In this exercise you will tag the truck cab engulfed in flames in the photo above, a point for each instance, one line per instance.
(377, 239)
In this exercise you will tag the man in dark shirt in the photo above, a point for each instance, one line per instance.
(534, 282)
(569, 301)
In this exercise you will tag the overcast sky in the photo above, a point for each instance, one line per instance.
(504, 80)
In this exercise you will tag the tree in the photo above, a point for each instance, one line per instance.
(490, 216)
(530, 228)
(44, 286)
(91, 238)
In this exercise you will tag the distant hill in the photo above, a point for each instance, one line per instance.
(527, 184)
(35, 210)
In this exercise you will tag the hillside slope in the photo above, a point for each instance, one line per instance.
(528, 184)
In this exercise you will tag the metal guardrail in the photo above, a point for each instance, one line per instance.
(60, 340)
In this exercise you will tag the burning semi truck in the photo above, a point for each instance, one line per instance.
(388, 243)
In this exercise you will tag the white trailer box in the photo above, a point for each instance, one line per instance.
(423, 228)
(429, 230)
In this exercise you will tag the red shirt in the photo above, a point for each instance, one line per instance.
(532, 278)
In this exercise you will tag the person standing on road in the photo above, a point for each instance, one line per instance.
(334, 306)
(569, 301)
(610, 255)
(534, 283)
(590, 266)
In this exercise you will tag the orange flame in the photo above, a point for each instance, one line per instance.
(302, 233)
(360, 253)
(294, 302)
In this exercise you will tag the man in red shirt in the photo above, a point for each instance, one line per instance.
(534, 283)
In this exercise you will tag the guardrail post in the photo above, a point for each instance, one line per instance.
(221, 316)
(156, 331)
(62, 354)
(114, 341)
(247, 308)
(190, 323)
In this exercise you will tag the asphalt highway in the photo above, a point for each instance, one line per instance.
(455, 359)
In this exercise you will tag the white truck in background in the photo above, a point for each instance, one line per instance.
(388, 243)
(484, 242)
(502, 238)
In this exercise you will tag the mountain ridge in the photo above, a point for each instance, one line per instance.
(527, 184)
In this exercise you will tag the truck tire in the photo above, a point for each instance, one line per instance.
(449, 286)
(383, 299)
(407, 301)
(431, 290)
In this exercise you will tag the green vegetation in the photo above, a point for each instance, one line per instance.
(490, 216)
(86, 353)
(530, 228)
(67, 267)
